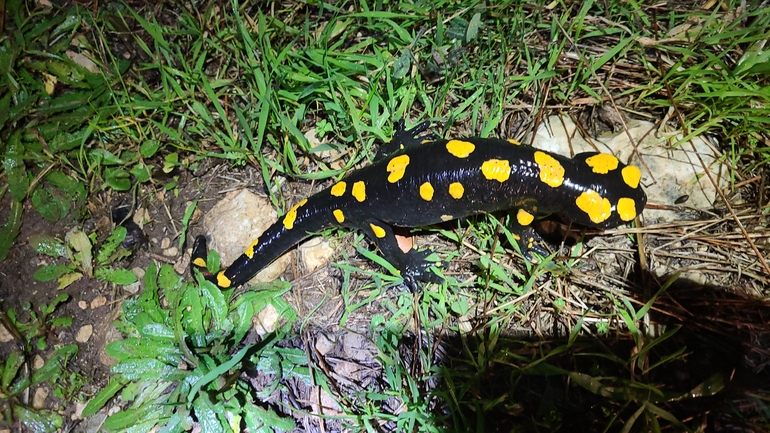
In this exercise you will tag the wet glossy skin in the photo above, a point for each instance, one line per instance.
(418, 181)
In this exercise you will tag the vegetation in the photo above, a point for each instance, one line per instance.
(130, 100)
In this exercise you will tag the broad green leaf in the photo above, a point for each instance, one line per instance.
(75, 190)
(111, 245)
(55, 364)
(98, 402)
(51, 206)
(257, 417)
(144, 348)
(68, 279)
(122, 277)
(48, 245)
(37, 420)
(123, 420)
(117, 178)
(63, 141)
(82, 246)
(148, 148)
(15, 171)
(11, 368)
(148, 370)
(141, 172)
(10, 229)
(207, 414)
(53, 271)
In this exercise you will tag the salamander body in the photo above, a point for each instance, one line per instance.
(418, 180)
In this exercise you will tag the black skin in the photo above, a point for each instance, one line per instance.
(388, 203)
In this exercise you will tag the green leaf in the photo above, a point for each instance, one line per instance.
(15, 171)
(141, 348)
(188, 213)
(10, 229)
(141, 172)
(68, 279)
(11, 368)
(48, 245)
(122, 277)
(257, 417)
(52, 207)
(73, 189)
(55, 364)
(148, 148)
(53, 271)
(64, 141)
(148, 370)
(111, 245)
(207, 414)
(171, 161)
(215, 300)
(109, 391)
(123, 420)
(82, 246)
(39, 421)
(117, 178)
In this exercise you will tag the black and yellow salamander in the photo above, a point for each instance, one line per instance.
(418, 180)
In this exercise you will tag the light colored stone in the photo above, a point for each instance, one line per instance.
(171, 252)
(323, 344)
(38, 400)
(79, 406)
(235, 222)
(266, 320)
(82, 304)
(165, 243)
(5, 336)
(98, 301)
(84, 333)
(315, 253)
(38, 362)
(669, 169)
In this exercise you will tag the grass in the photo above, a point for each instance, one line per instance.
(244, 85)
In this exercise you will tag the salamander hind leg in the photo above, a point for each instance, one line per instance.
(413, 266)
(528, 240)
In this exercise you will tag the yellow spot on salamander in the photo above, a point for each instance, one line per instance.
(626, 209)
(291, 215)
(378, 231)
(426, 191)
(250, 250)
(524, 218)
(456, 190)
(496, 169)
(339, 188)
(396, 168)
(200, 262)
(222, 280)
(359, 191)
(514, 142)
(446, 218)
(339, 216)
(602, 163)
(631, 176)
(460, 149)
(595, 206)
(551, 171)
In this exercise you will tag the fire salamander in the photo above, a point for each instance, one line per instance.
(419, 180)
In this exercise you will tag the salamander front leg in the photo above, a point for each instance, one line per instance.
(413, 265)
(404, 138)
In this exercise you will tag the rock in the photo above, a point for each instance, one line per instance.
(669, 171)
(315, 253)
(84, 333)
(235, 222)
